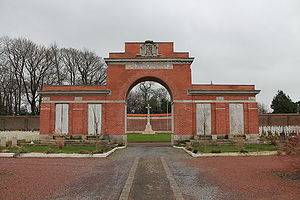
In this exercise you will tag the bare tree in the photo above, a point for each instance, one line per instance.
(262, 108)
(70, 58)
(26, 67)
(83, 67)
(57, 71)
(11, 59)
(91, 68)
(148, 92)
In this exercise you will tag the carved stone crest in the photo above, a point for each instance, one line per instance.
(149, 49)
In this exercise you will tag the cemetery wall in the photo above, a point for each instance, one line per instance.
(137, 122)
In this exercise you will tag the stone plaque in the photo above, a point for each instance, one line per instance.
(62, 118)
(149, 66)
(78, 98)
(203, 117)
(236, 113)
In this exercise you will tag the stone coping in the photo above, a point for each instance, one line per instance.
(215, 92)
(62, 155)
(226, 154)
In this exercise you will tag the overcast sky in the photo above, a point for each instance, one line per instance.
(233, 41)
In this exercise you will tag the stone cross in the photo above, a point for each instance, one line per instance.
(148, 129)
(148, 115)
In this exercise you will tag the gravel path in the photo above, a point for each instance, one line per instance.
(105, 178)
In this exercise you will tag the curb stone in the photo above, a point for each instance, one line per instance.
(62, 155)
(233, 154)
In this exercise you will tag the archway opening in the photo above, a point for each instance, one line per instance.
(149, 112)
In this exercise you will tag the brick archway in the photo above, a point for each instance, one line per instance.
(149, 78)
(137, 124)
(231, 109)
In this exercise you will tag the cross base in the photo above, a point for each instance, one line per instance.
(148, 129)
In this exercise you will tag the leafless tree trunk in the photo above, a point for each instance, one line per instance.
(26, 67)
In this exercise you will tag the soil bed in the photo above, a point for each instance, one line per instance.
(231, 148)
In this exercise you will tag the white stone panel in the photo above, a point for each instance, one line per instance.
(62, 118)
(149, 66)
(203, 117)
(94, 118)
(236, 113)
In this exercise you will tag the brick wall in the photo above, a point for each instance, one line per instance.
(159, 122)
(176, 79)
(19, 123)
(138, 122)
(279, 120)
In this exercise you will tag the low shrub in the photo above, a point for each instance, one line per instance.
(243, 150)
(189, 148)
(98, 151)
(16, 154)
(195, 151)
(292, 148)
(9, 143)
(49, 150)
(23, 150)
(107, 148)
(60, 141)
(19, 151)
(84, 151)
(216, 151)
(274, 139)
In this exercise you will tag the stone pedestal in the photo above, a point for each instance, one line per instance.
(214, 137)
(14, 141)
(2, 141)
(148, 129)
(252, 136)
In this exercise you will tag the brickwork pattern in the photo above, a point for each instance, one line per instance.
(121, 80)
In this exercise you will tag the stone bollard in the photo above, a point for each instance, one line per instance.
(2, 141)
(14, 141)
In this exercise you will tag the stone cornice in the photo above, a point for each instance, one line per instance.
(74, 92)
(222, 92)
(124, 61)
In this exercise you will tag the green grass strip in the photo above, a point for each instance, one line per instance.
(66, 149)
(140, 138)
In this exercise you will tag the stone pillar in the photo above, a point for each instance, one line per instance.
(2, 141)
(14, 141)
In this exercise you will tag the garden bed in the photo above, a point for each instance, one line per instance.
(53, 149)
(232, 148)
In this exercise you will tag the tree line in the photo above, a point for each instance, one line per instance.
(281, 103)
(26, 67)
(151, 93)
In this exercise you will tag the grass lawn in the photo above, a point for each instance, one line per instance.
(140, 138)
(249, 148)
(66, 149)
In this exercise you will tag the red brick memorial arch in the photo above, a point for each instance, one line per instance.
(213, 110)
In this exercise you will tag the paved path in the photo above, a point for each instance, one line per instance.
(137, 172)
